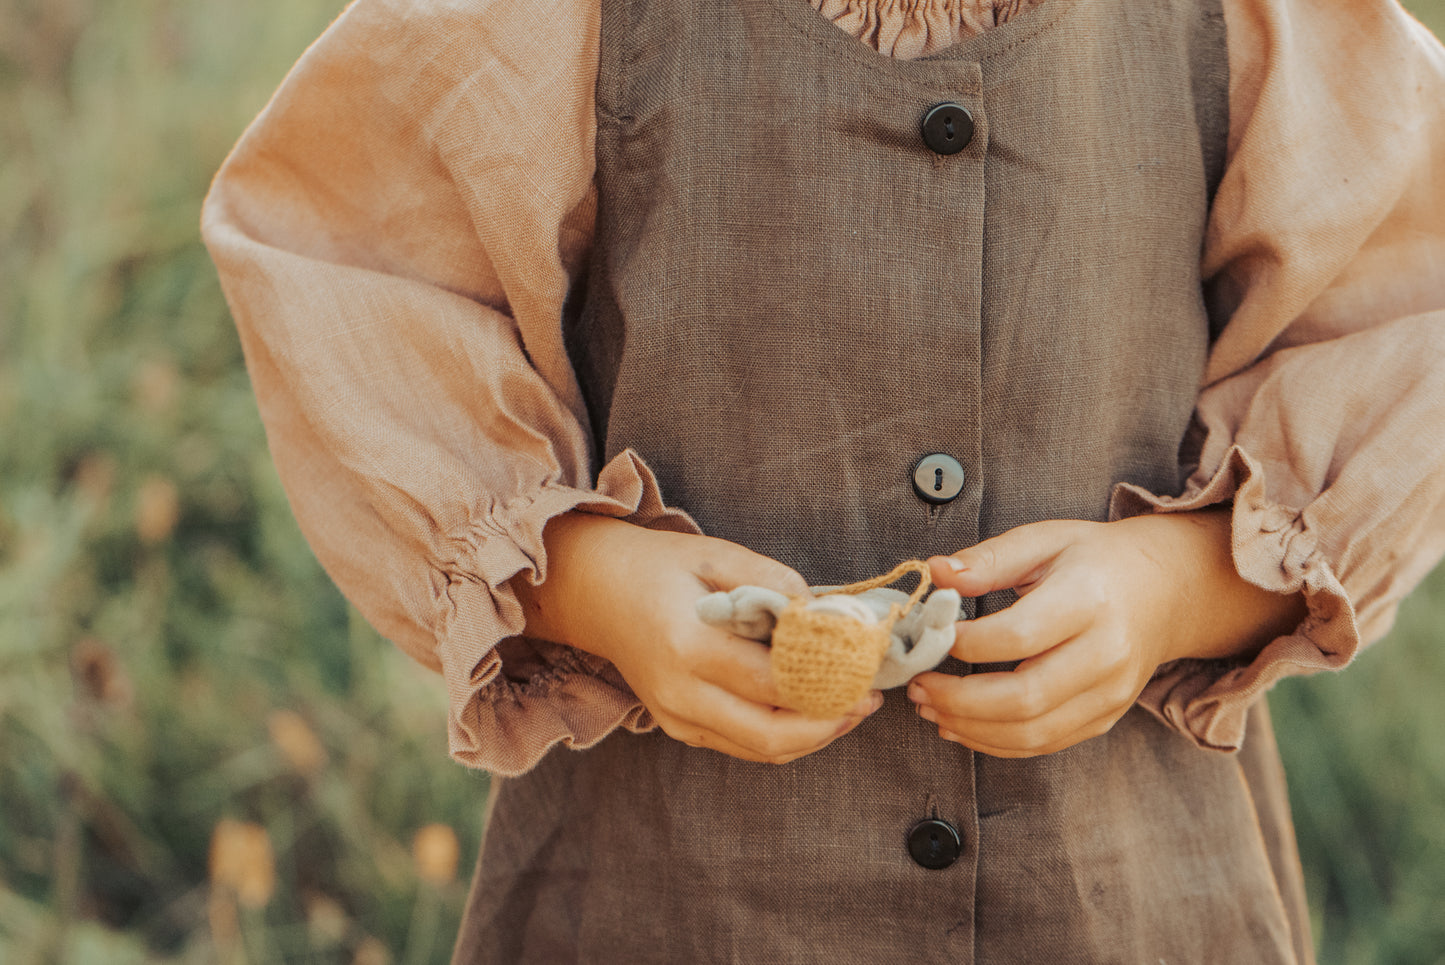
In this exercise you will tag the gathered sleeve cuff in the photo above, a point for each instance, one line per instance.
(513, 698)
(397, 235)
(1322, 418)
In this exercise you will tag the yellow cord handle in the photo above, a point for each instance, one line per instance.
(925, 579)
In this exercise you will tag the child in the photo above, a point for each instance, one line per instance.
(535, 295)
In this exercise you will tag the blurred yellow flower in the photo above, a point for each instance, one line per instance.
(296, 741)
(371, 952)
(326, 920)
(434, 851)
(157, 509)
(242, 861)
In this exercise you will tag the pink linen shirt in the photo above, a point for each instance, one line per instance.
(398, 231)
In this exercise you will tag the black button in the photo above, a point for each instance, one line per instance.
(947, 128)
(938, 478)
(934, 843)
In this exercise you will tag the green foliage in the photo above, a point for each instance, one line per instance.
(171, 655)
(1367, 784)
(175, 668)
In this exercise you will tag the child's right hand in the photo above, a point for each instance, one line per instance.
(629, 594)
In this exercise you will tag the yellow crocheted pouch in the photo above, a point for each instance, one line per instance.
(826, 652)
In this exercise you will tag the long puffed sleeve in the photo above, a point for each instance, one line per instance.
(396, 235)
(1323, 412)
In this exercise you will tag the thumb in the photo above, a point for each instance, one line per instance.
(729, 566)
(1013, 560)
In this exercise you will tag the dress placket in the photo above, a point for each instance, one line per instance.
(816, 269)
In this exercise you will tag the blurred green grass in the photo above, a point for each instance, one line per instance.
(171, 655)
(175, 669)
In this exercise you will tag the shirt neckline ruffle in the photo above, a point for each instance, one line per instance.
(909, 29)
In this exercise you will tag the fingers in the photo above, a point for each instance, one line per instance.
(741, 666)
(1033, 625)
(1082, 716)
(1012, 560)
(744, 668)
(730, 703)
(1050, 737)
(1086, 628)
(1032, 690)
(727, 566)
(1068, 694)
(704, 686)
(725, 722)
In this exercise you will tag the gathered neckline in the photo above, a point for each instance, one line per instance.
(909, 29)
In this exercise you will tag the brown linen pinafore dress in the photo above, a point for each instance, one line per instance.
(793, 299)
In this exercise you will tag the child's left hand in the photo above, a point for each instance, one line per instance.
(1101, 606)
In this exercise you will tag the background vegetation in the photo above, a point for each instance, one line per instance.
(205, 756)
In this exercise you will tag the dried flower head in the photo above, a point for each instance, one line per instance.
(326, 920)
(434, 851)
(99, 676)
(371, 952)
(296, 741)
(242, 861)
(157, 509)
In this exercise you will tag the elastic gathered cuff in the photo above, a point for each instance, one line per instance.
(1273, 548)
(505, 717)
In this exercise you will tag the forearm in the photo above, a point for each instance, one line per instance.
(1219, 613)
(581, 550)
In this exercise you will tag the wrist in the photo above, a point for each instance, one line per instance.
(563, 606)
(1218, 614)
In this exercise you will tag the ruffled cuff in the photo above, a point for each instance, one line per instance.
(1275, 549)
(513, 698)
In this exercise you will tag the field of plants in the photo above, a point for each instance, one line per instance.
(205, 754)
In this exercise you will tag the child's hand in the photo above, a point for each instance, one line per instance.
(629, 594)
(1101, 606)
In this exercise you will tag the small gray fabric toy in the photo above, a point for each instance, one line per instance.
(918, 641)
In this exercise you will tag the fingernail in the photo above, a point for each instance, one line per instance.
(954, 564)
(866, 705)
(917, 694)
(928, 714)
